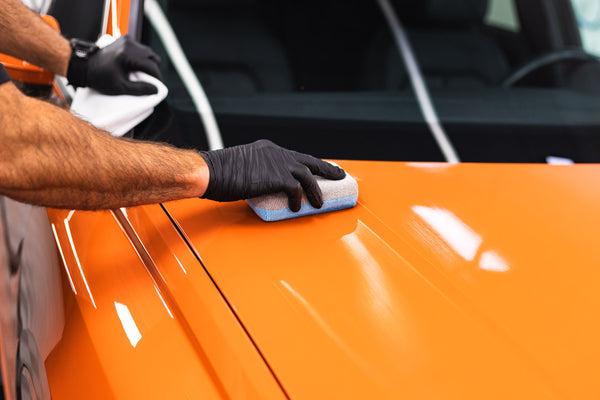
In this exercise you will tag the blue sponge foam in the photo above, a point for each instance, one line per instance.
(285, 213)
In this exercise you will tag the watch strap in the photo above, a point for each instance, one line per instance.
(77, 71)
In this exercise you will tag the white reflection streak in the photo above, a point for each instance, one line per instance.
(325, 326)
(491, 261)
(429, 167)
(68, 228)
(63, 258)
(370, 268)
(163, 301)
(129, 326)
(452, 230)
(181, 265)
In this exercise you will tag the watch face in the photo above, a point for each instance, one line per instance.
(82, 49)
(80, 53)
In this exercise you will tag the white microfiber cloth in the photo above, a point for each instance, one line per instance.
(117, 114)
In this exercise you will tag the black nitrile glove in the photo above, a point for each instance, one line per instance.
(262, 167)
(107, 70)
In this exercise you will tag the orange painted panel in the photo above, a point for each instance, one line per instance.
(120, 338)
(147, 325)
(196, 303)
(446, 281)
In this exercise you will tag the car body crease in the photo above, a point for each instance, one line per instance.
(231, 308)
(162, 287)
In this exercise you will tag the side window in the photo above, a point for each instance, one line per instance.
(587, 13)
(503, 14)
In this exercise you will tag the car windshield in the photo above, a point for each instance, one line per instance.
(510, 80)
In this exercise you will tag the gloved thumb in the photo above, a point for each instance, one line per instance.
(139, 88)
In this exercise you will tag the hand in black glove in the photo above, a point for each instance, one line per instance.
(107, 70)
(262, 167)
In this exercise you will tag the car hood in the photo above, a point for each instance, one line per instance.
(445, 281)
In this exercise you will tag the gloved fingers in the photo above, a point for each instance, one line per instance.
(146, 65)
(139, 88)
(145, 52)
(294, 193)
(128, 45)
(320, 167)
(309, 184)
(150, 54)
(138, 57)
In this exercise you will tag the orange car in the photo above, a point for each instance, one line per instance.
(447, 280)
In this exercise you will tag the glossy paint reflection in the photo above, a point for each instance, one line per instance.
(491, 261)
(461, 238)
(163, 302)
(456, 286)
(378, 294)
(192, 302)
(319, 319)
(76, 256)
(126, 344)
(337, 339)
(62, 257)
(458, 235)
(129, 326)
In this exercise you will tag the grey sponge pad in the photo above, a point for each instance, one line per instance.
(337, 195)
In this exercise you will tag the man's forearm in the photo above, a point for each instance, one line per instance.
(50, 158)
(24, 35)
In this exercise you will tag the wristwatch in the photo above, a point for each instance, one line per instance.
(82, 48)
(77, 72)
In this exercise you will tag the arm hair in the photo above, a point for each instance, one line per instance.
(50, 158)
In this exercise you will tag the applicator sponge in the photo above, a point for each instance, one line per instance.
(337, 195)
